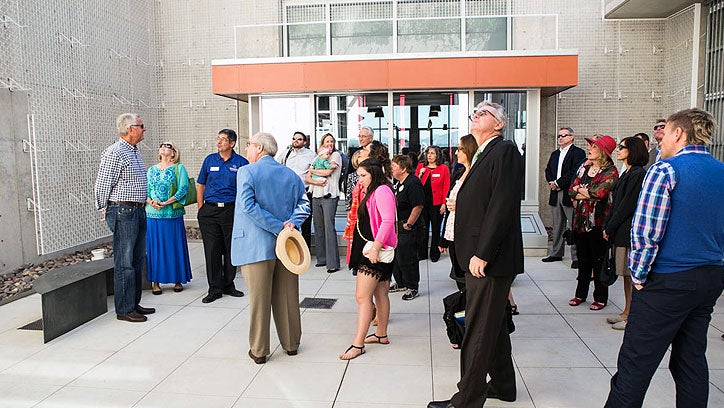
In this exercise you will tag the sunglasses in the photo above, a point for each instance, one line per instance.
(167, 145)
(298, 139)
(621, 147)
(480, 113)
(563, 135)
(659, 127)
(142, 126)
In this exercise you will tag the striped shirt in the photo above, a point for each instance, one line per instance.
(652, 214)
(121, 175)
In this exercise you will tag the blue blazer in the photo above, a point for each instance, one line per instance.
(267, 194)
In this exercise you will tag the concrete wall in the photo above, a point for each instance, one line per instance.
(17, 235)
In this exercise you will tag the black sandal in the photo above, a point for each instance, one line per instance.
(178, 288)
(156, 291)
(379, 339)
(514, 310)
(361, 349)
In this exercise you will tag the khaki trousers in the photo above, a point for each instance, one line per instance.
(272, 288)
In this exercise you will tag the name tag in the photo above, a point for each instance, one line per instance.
(436, 175)
(214, 168)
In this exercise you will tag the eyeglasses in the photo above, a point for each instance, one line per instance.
(563, 135)
(167, 145)
(298, 139)
(480, 113)
(142, 126)
(222, 139)
(621, 147)
(659, 127)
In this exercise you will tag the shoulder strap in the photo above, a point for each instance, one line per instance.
(289, 151)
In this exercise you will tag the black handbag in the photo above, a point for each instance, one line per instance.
(607, 275)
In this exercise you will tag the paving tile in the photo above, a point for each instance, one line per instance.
(551, 352)
(18, 394)
(562, 387)
(297, 381)
(386, 384)
(226, 377)
(156, 399)
(537, 326)
(245, 402)
(54, 366)
(91, 397)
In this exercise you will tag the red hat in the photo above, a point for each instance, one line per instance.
(606, 143)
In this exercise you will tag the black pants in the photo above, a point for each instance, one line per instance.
(591, 248)
(216, 224)
(486, 344)
(671, 309)
(406, 266)
(307, 224)
(430, 215)
(457, 273)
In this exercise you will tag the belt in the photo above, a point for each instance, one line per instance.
(229, 204)
(133, 203)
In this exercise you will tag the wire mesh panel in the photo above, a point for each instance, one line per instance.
(714, 75)
(83, 63)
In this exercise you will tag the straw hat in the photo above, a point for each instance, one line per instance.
(292, 251)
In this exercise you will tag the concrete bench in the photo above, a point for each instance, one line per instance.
(73, 295)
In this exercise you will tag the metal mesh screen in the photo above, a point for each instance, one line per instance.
(714, 77)
(82, 63)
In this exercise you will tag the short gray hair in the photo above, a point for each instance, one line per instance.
(369, 130)
(499, 113)
(267, 142)
(124, 122)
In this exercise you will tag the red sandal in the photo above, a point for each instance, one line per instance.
(575, 301)
(597, 306)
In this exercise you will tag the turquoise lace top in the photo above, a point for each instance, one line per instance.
(160, 185)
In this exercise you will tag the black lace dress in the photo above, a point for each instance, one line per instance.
(380, 271)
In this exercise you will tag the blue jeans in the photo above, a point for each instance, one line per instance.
(128, 225)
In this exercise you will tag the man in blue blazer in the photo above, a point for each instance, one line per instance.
(560, 172)
(269, 197)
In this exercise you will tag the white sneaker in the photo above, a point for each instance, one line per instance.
(615, 319)
(620, 325)
(396, 288)
(410, 294)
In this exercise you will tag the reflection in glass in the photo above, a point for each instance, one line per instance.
(484, 34)
(428, 35)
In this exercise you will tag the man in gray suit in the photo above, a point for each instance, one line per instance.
(560, 171)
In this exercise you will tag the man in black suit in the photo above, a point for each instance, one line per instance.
(560, 171)
(489, 245)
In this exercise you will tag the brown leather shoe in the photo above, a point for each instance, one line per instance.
(258, 360)
(132, 317)
(292, 352)
(145, 310)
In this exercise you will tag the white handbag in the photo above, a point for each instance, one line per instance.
(386, 255)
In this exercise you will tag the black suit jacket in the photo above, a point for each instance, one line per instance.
(487, 218)
(617, 223)
(571, 162)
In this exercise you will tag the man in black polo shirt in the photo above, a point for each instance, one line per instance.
(216, 195)
(410, 197)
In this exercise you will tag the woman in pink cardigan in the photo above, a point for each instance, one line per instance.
(376, 223)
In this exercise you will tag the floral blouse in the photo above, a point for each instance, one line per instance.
(590, 213)
(160, 185)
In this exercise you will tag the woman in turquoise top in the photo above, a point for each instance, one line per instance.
(167, 252)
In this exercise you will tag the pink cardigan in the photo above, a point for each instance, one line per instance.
(382, 209)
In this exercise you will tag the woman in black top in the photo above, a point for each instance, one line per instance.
(617, 224)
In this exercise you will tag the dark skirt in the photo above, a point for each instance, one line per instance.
(380, 271)
(167, 253)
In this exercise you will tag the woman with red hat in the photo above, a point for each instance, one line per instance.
(590, 192)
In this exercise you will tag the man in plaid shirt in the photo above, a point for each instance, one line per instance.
(677, 247)
(121, 195)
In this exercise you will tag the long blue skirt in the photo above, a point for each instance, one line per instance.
(167, 252)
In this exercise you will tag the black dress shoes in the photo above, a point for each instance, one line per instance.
(145, 310)
(435, 256)
(234, 293)
(132, 317)
(292, 352)
(574, 265)
(258, 360)
(211, 297)
(440, 404)
(552, 259)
